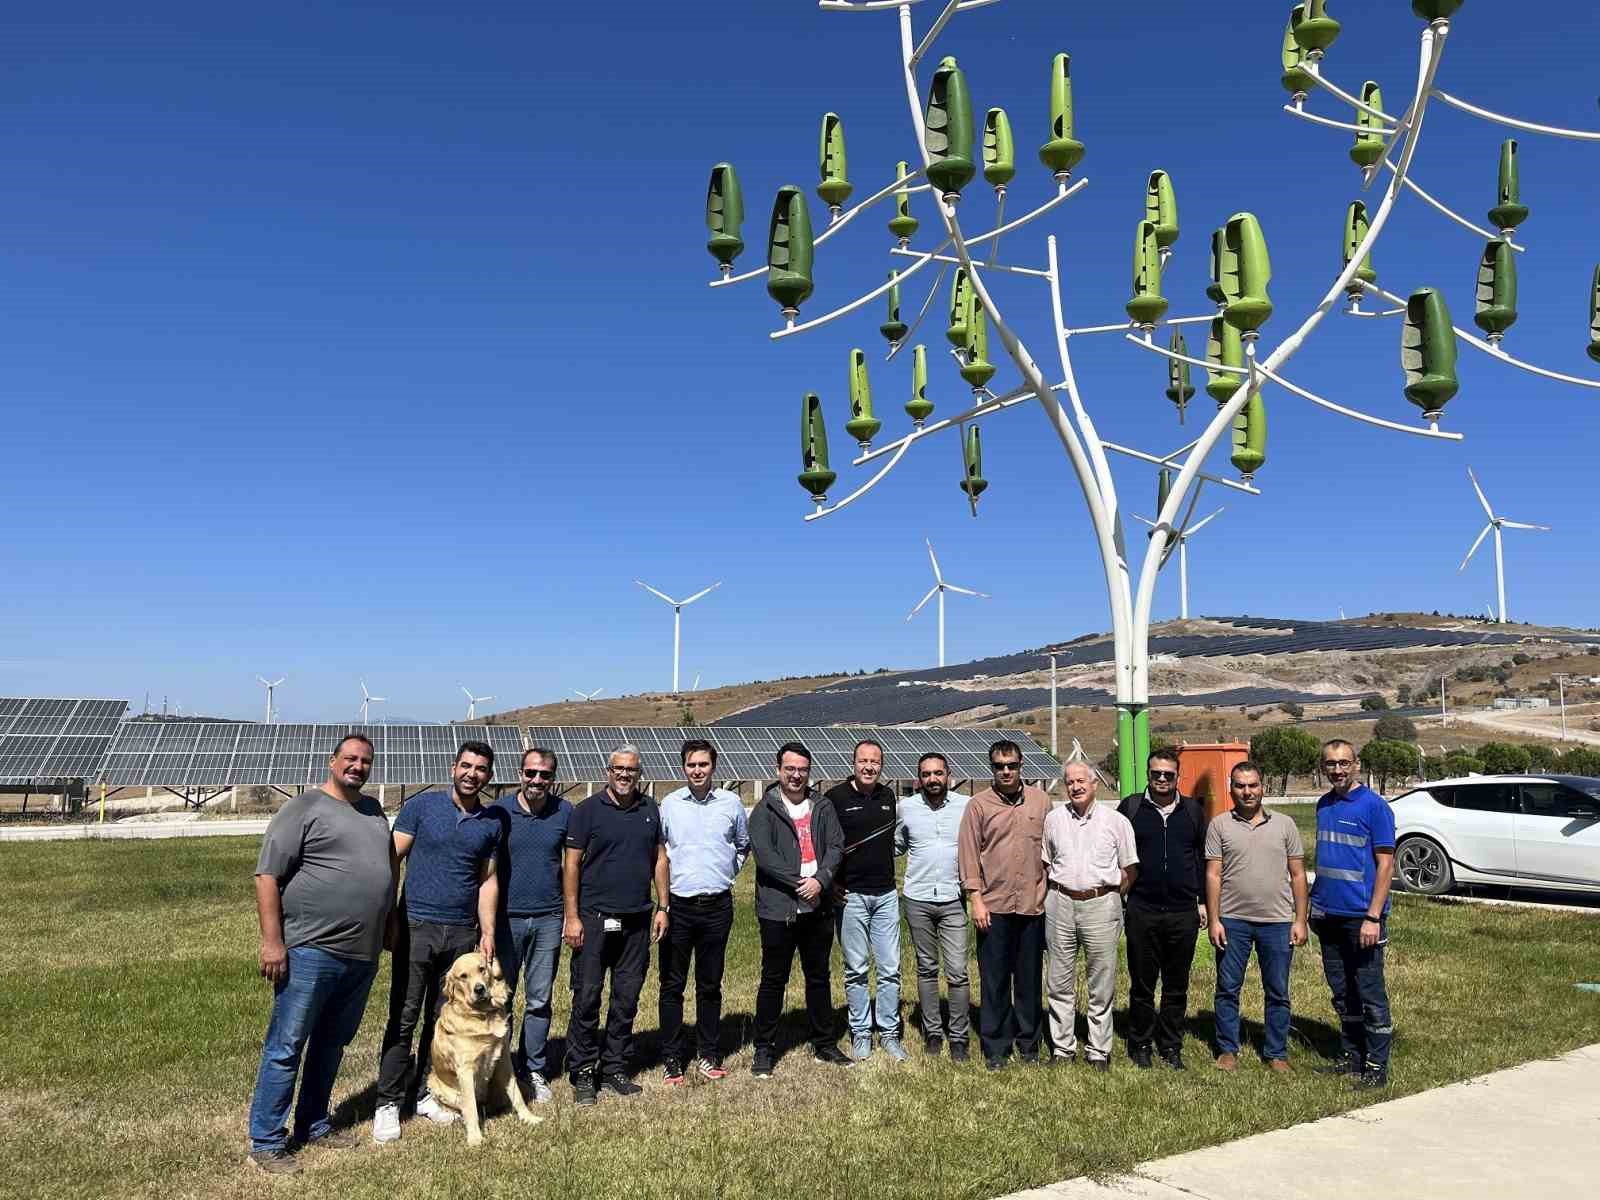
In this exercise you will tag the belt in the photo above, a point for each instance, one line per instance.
(1092, 894)
(707, 898)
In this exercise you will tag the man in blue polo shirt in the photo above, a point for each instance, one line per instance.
(449, 842)
(613, 853)
(529, 937)
(1349, 911)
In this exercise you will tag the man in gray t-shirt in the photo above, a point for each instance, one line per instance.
(325, 882)
(1256, 896)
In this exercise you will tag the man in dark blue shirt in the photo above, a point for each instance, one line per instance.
(613, 854)
(529, 934)
(449, 842)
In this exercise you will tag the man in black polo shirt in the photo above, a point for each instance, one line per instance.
(613, 853)
(1163, 916)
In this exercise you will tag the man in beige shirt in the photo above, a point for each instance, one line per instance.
(1089, 852)
(1002, 872)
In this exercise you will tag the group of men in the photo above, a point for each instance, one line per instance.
(611, 877)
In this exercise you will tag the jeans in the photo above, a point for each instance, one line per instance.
(1271, 942)
(420, 962)
(1095, 926)
(1160, 950)
(871, 925)
(1355, 977)
(699, 926)
(939, 933)
(1010, 978)
(317, 1009)
(531, 947)
(626, 954)
(812, 935)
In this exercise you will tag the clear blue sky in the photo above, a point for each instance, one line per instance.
(374, 339)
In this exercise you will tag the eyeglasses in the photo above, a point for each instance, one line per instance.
(623, 770)
(1329, 764)
(806, 770)
(535, 773)
(1163, 774)
(1005, 766)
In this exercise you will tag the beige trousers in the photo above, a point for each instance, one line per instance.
(1095, 926)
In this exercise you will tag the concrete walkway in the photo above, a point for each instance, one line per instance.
(133, 830)
(1529, 1132)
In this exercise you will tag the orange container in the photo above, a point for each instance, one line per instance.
(1203, 772)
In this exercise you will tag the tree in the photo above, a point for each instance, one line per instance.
(1286, 750)
(1499, 758)
(1542, 757)
(1373, 704)
(1402, 694)
(1392, 727)
(1581, 760)
(1459, 762)
(1384, 759)
(1297, 711)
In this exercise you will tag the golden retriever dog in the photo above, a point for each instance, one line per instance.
(472, 1044)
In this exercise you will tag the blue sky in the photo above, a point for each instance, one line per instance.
(365, 339)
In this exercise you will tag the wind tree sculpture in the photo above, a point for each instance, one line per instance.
(953, 146)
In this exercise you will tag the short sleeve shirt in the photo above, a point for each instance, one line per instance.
(445, 864)
(1255, 865)
(1087, 852)
(619, 852)
(1348, 831)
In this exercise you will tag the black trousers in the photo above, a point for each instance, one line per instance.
(1160, 950)
(812, 935)
(699, 926)
(420, 962)
(1011, 984)
(626, 955)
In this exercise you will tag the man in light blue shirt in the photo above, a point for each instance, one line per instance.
(708, 839)
(935, 907)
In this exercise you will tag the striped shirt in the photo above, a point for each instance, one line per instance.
(1349, 830)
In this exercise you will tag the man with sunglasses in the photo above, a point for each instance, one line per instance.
(1162, 921)
(1349, 911)
(1002, 871)
(529, 940)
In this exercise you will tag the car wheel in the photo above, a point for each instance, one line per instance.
(1424, 866)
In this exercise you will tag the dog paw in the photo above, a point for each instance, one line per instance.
(474, 1139)
(528, 1118)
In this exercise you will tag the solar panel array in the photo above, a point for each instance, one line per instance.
(50, 739)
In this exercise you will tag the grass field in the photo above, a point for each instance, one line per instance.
(133, 1017)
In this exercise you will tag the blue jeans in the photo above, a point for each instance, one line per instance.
(1271, 942)
(871, 925)
(1355, 977)
(316, 1009)
(531, 946)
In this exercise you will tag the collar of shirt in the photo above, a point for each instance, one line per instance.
(1082, 817)
(1261, 812)
(519, 805)
(464, 814)
(610, 797)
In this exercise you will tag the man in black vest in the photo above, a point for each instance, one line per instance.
(1163, 917)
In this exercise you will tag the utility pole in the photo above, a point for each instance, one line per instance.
(1444, 715)
(1561, 686)
(1053, 704)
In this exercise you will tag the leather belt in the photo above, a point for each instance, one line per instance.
(1092, 894)
(709, 898)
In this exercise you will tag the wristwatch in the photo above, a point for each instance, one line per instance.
(1375, 920)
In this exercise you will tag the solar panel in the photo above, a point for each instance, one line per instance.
(24, 721)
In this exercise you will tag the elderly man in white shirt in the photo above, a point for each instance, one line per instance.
(1091, 862)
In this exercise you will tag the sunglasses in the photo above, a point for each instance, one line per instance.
(1163, 774)
(1005, 766)
(535, 773)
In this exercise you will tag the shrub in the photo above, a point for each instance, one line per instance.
(1373, 704)
(1392, 727)
(1297, 711)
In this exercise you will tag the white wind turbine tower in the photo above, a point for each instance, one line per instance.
(1496, 524)
(677, 620)
(270, 685)
(473, 702)
(367, 698)
(939, 588)
(1182, 538)
(587, 696)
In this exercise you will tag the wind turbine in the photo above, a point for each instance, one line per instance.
(587, 696)
(939, 588)
(473, 702)
(1496, 524)
(367, 698)
(677, 620)
(1182, 537)
(269, 684)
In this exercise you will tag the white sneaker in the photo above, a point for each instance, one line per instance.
(541, 1088)
(435, 1112)
(386, 1124)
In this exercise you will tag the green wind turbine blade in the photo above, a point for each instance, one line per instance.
(789, 250)
(862, 425)
(1316, 30)
(894, 328)
(960, 309)
(1250, 437)
(977, 370)
(1179, 388)
(1225, 348)
(919, 408)
(1214, 290)
(1246, 271)
(1147, 305)
(948, 121)
(1369, 147)
(1594, 316)
(1435, 10)
(1161, 208)
(973, 484)
(1296, 79)
(999, 151)
(903, 225)
(814, 476)
(1062, 152)
(1497, 291)
(835, 186)
(1428, 353)
(724, 215)
(1510, 212)
(1163, 488)
(1355, 232)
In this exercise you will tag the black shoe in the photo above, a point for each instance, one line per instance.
(1141, 1057)
(1031, 1060)
(584, 1093)
(1174, 1060)
(831, 1055)
(672, 1072)
(958, 1052)
(763, 1064)
(932, 1046)
(1339, 1066)
(1372, 1079)
(1064, 1060)
(1103, 1065)
(995, 1064)
(619, 1084)
(275, 1162)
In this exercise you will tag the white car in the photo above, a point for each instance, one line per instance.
(1531, 831)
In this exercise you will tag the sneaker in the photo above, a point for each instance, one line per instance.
(1141, 1057)
(1174, 1060)
(1065, 1060)
(336, 1139)
(539, 1086)
(672, 1072)
(830, 1054)
(584, 1093)
(860, 1048)
(386, 1124)
(958, 1052)
(1031, 1060)
(709, 1068)
(994, 1064)
(1103, 1065)
(763, 1064)
(892, 1047)
(931, 1046)
(1227, 1062)
(436, 1112)
(1345, 1065)
(275, 1162)
(619, 1084)
(1372, 1079)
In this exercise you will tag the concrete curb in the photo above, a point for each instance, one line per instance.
(140, 831)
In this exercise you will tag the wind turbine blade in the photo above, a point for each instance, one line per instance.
(653, 592)
(595, 693)
(934, 560)
(1143, 520)
(703, 591)
(1201, 524)
(464, 691)
(950, 587)
(1482, 499)
(481, 699)
(1523, 525)
(1481, 535)
(932, 592)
